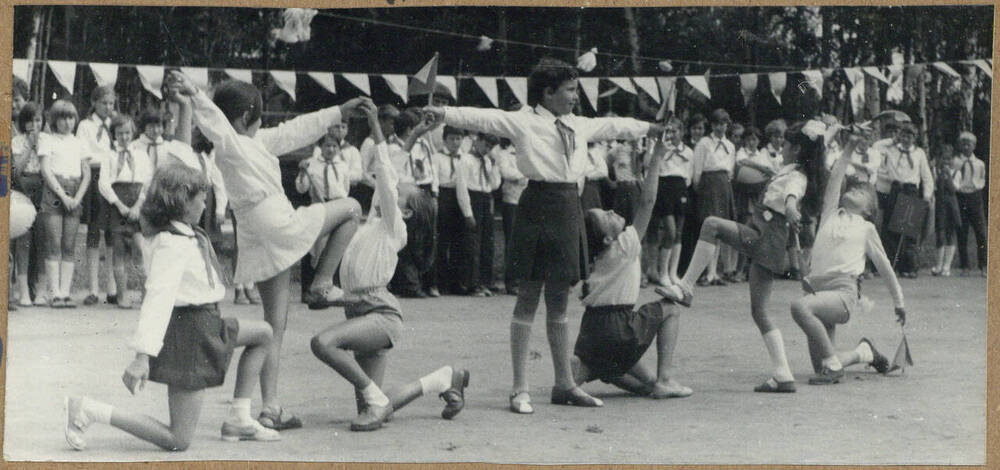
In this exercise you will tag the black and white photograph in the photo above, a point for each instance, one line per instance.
(511, 235)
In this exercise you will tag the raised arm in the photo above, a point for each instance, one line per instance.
(614, 128)
(831, 198)
(875, 252)
(490, 121)
(649, 189)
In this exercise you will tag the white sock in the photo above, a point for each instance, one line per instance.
(776, 349)
(52, 272)
(865, 355)
(239, 411)
(832, 363)
(66, 278)
(436, 382)
(703, 253)
(374, 396)
(99, 412)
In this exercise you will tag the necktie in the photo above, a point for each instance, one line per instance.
(451, 161)
(568, 137)
(125, 158)
(967, 171)
(484, 181)
(208, 255)
(103, 129)
(153, 151)
(909, 159)
(327, 167)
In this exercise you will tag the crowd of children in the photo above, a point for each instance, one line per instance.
(410, 212)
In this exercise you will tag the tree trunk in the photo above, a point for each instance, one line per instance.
(633, 46)
(45, 55)
(32, 53)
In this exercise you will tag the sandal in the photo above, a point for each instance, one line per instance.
(521, 406)
(271, 419)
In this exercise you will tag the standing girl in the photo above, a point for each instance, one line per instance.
(713, 160)
(947, 216)
(66, 171)
(764, 240)
(27, 178)
(272, 235)
(95, 132)
(672, 201)
(181, 340)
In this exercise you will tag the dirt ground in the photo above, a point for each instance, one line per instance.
(932, 414)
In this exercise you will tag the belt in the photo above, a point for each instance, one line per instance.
(551, 185)
(212, 307)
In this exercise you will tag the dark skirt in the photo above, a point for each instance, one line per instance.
(549, 239)
(31, 185)
(613, 338)
(714, 196)
(94, 206)
(51, 203)
(744, 197)
(947, 218)
(671, 197)
(765, 239)
(591, 197)
(128, 194)
(196, 349)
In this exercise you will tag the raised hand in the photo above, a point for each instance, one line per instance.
(182, 84)
(900, 316)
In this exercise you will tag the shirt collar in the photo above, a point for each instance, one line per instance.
(98, 119)
(182, 227)
(545, 113)
(146, 140)
(119, 148)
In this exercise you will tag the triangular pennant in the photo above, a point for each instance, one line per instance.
(489, 87)
(359, 80)
(151, 77)
(325, 80)
(590, 88)
(748, 84)
(399, 84)
(519, 86)
(700, 83)
(857, 94)
(624, 83)
(609, 92)
(648, 84)
(985, 67)
(285, 80)
(104, 74)
(587, 61)
(668, 90)
(21, 68)
(778, 81)
(197, 75)
(65, 73)
(902, 357)
(943, 67)
(814, 79)
(450, 84)
(875, 72)
(242, 75)
(428, 72)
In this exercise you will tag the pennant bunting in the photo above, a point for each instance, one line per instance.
(242, 75)
(21, 68)
(489, 87)
(748, 84)
(590, 88)
(359, 80)
(857, 94)
(428, 72)
(399, 84)
(648, 84)
(151, 77)
(700, 83)
(624, 83)
(814, 79)
(104, 74)
(875, 72)
(943, 67)
(519, 86)
(607, 93)
(450, 84)
(894, 94)
(588, 61)
(285, 80)
(778, 81)
(668, 90)
(197, 75)
(325, 80)
(985, 67)
(65, 73)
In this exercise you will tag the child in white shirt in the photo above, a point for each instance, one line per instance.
(181, 340)
(971, 175)
(94, 131)
(672, 201)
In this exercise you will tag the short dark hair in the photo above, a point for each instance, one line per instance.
(171, 190)
(236, 98)
(490, 139)
(696, 118)
(28, 113)
(62, 109)
(751, 131)
(549, 73)
(720, 115)
(118, 121)
(387, 111)
(450, 130)
(406, 121)
(151, 116)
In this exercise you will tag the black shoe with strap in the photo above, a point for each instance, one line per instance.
(454, 397)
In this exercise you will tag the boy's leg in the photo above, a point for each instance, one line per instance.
(93, 256)
(119, 266)
(528, 295)
(978, 221)
(509, 213)
(340, 223)
(963, 232)
(760, 293)
(470, 251)
(565, 390)
(713, 231)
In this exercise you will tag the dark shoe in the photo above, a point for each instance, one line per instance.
(575, 397)
(277, 420)
(68, 303)
(411, 294)
(879, 362)
(454, 397)
(433, 292)
(827, 376)
(481, 292)
(372, 418)
(112, 299)
(718, 282)
(773, 386)
(56, 302)
(91, 300)
(703, 282)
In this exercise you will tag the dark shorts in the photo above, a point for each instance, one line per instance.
(548, 243)
(744, 197)
(51, 203)
(591, 196)
(671, 197)
(764, 241)
(613, 338)
(95, 207)
(715, 196)
(378, 314)
(196, 349)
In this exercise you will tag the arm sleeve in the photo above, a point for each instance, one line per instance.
(490, 121)
(86, 131)
(698, 161)
(214, 125)
(221, 195)
(875, 252)
(926, 177)
(462, 190)
(385, 190)
(164, 277)
(980, 174)
(104, 180)
(367, 156)
(299, 132)
(612, 128)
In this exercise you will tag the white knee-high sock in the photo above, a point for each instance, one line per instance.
(436, 382)
(703, 253)
(865, 355)
(520, 337)
(776, 349)
(97, 411)
(833, 363)
(52, 272)
(239, 412)
(374, 395)
(66, 278)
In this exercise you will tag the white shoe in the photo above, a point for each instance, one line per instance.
(252, 431)
(77, 421)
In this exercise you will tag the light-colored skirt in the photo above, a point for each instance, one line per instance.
(273, 236)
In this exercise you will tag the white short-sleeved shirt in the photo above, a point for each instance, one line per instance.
(481, 173)
(96, 134)
(970, 173)
(25, 154)
(717, 154)
(115, 168)
(65, 154)
(617, 272)
(319, 173)
(447, 167)
(678, 162)
(788, 182)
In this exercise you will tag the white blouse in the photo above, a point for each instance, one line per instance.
(65, 154)
(788, 182)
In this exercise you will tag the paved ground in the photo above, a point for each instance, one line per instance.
(934, 414)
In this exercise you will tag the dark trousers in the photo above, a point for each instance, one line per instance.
(907, 246)
(479, 244)
(508, 211)
(416, 258)
(970, 206)
(450, 226)
(363, 194)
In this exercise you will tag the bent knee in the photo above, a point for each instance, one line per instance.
(319, 347)
(353, 208)
(800, 310)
